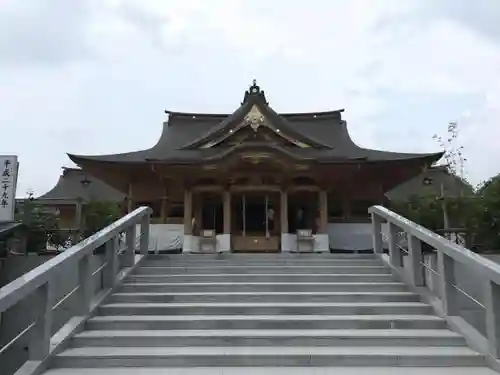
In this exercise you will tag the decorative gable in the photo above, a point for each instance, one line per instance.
(254, 127)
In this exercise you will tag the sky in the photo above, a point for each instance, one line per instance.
(95, 76)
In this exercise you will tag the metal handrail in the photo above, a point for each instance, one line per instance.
(39, 281)
(15, 291)
(457, 252)
(448, 253)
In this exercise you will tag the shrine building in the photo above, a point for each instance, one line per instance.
(255, 180)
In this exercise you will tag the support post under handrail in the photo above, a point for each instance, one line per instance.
(111, 269)
(416, 260)
(39, 346)
(492, 318)
(144, 241)
(85, 281)
(446, 266)
(394, 252)
(128, 256)
(377, 234)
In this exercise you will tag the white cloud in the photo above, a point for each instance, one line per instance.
(94, 76)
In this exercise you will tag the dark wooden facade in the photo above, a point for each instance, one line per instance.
(252, 158)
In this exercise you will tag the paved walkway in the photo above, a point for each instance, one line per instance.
(280, 371)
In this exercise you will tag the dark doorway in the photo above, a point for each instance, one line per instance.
(212, 215)
(250, 213)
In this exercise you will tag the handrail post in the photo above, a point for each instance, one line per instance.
(492, 316)
(129, 255)
(85, 282)
(144, 241)
(446, 266)
(394, 253)
(377, 234)
(111, 270)
(416, 259)
(39, 346)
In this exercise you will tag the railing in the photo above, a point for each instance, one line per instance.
(448, 255)
(41, 283)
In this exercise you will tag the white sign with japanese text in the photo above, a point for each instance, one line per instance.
(8, 181)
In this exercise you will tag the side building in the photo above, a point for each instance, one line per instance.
(73, 190)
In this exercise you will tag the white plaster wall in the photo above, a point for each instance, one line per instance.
(223, 242)
(341, 236)
(351, 236)
(288, 242)
(190, 244)
(321, 243)
(164, 236)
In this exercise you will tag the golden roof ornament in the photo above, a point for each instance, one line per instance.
(254, 91)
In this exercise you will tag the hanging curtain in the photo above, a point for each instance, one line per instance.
(214, 212)
(244, 203)
(267, 215)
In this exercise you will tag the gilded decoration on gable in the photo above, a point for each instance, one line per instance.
(255, 118)
(256, 157)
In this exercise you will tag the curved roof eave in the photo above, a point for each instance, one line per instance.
(195, 115)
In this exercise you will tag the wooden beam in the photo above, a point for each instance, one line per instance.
(188, 212)
(323, 212)
(284, 211)
(227, 211)
(130, 202)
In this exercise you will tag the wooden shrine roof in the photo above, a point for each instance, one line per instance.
(325, 132)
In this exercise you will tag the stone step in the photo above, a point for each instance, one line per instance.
(261, 257)
(267, 297)
(91, 357)
(199, 322)
(226, 287)
(263, 278)
(261, 269)
(259, 262)
(154, 338)
(276, 371)
(295, 308)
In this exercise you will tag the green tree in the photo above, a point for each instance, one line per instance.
(423, 209)
(488, 214)
(98, 215)
(42, 225)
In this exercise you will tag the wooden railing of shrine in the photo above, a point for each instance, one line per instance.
(408, 261)
(39, 285)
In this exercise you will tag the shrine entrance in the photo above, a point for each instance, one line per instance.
(255, 226)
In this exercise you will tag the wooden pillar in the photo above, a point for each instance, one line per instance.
(323, 211)
(227, 211)
(78, 214)
(130, 202)
(164, 206)
(188, 212)
(164, 209)
(198, 213)
(284, 211)
(346, 209)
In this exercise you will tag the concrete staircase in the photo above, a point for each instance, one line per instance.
(236, 311)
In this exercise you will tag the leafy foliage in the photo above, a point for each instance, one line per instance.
(488, 214)
(98, 215)
(43, 226)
